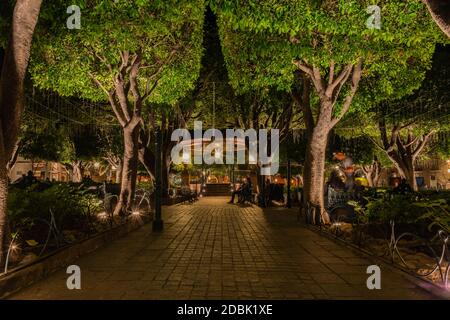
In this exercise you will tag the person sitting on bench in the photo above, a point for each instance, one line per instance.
(243, 191)
(236, 192)
(247, 192)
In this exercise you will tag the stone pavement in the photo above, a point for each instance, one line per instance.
(215, 250)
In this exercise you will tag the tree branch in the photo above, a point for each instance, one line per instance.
(422, 144)
(340, 80)
(356, 78)
(134, 85)
(110, 94)
(331, 73)
(314, 75)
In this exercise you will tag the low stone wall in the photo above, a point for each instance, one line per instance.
(23, 276)
(434, 289)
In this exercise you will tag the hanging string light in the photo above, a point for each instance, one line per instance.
(214, 105)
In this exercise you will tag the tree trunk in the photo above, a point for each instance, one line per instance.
(126, 100)
(115, 164)
(77, 172)
(147, 159)
(314, 173)
(4, 227)
(406, 169)
(165, 170)
(12, 161)
(440, 12)
(129, 170)
(376, 179)
(15, 63)
(372, 172)
(328, 90)
(369, 178)
(119, 171)
(401, 152)
(166, 162)
(411, 177)
(260, 179)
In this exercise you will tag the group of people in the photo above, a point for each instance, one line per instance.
(245, 192)
(269, 192)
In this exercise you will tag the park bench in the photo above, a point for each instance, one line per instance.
(188, 195)
(336, 204)
(247, 197)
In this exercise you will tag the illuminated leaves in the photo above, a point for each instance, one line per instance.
(62, 59)
(260, 39)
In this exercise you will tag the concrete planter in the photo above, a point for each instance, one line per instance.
(434, 289)
(40, 268)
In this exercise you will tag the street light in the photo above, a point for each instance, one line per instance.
(158, 223)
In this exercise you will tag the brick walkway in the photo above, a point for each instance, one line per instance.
(216, 250)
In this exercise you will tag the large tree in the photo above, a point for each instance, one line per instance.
(211, 85)
(323, 52)
(402, 145)
(403, 128)
(440, 12)
(131, 53)
(17, 21)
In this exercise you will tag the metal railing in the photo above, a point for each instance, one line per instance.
(415, 254)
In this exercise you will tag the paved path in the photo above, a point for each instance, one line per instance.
(216, 250)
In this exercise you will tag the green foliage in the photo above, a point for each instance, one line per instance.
(147, 186)
(84, 145)
(442, 146)
(27, 208)
(360, 148)
(400, 209)
(42, 140)
(261, 38)
(429, 106)
(63, 59)
(426, 109)
(110, 141)
(438, 212)
(432, 209)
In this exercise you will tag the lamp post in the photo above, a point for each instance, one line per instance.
(158, 223)
(263, 192)
(288, 202)
(233, 180)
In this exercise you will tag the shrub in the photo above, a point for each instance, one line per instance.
(147, 186)
(72, 208)
(432, 209)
